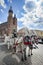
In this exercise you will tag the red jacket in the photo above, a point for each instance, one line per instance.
(27, 42)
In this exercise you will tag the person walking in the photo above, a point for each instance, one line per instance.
(30, 44)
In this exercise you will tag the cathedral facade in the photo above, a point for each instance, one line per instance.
(9, 26)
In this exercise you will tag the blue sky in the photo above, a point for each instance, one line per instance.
(29, 13)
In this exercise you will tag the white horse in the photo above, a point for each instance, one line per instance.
(8, 41)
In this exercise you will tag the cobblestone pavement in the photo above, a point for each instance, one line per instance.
(7, 58)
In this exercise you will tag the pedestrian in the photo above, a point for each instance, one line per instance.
(30, 49)
(14, 47)
(7, 41)
(24, 48)
(30, 44)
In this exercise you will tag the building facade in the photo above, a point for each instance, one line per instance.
(10, 25)
(38, 33)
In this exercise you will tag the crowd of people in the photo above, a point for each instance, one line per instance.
(20, 44)
(24, 42)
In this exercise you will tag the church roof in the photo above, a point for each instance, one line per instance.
(3, 25)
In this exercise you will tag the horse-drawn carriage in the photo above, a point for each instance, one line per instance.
(19, 44)
(23, 44)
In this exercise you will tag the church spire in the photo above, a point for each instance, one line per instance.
(10, 10)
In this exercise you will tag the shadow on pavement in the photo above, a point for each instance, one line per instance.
(4, 48)
(9, 60)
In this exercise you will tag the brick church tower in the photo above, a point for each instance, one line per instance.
(12, 22)
(10, 26)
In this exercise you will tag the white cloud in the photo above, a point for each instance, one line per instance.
(17, 13)
(10, 1)
(2, 3)
(18, 28)
(13, 14)
(2, 10)
(0, 22)
(30, 17)
(39, 10)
